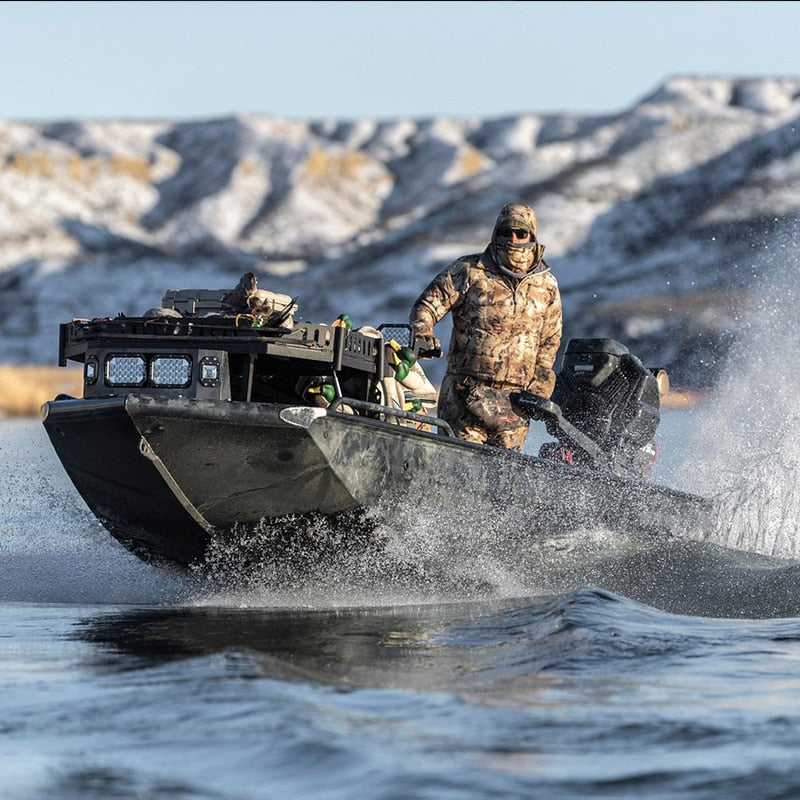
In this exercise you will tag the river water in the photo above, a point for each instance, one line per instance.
(594, 668)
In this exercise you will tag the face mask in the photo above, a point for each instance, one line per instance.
(517, 259)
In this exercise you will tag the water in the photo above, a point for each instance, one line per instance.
(589, 667)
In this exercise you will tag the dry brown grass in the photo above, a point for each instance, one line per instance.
(684, 398)
(471, 161)
(83, 170)
(326, 167)
(24, 389)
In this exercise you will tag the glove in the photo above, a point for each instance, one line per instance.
(532, 406)
(428, 346)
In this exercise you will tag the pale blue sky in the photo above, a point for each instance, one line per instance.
(312, 60)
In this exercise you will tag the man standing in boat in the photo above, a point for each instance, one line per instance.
(506, 310)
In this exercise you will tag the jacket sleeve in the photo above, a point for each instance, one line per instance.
(438, 297)
(544, 377)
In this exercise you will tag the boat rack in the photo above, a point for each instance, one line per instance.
(337, 347)
(243, 356)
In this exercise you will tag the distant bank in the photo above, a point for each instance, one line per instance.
(23, 389)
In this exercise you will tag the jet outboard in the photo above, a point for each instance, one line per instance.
(604, 409)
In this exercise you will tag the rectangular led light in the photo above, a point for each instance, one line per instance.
(171, 371)
(125, 370)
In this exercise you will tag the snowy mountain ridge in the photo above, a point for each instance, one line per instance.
(659, 222)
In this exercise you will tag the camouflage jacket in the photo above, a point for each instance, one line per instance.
(503, 329)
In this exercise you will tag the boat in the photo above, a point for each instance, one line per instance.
(218, 412)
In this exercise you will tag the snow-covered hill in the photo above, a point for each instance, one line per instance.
(661, 223)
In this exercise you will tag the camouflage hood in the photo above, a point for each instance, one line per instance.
(519, 259)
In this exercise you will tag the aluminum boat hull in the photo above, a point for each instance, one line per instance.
(164, 475)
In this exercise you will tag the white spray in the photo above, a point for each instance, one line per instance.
(746, 447)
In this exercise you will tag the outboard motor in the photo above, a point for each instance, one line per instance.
(604, 410)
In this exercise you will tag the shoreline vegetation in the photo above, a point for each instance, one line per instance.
(23, 389)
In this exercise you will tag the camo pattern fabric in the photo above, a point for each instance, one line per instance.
(480, 413)
(506, 333)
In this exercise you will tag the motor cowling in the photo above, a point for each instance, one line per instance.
(608, 395)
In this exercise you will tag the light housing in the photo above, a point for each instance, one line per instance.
(90, 370)
(170, 371)
(125, 370)
(209, 371)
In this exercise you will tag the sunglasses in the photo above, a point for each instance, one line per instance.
(506, 232)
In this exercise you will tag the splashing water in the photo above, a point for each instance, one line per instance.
(746, 449)
(424, 549)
